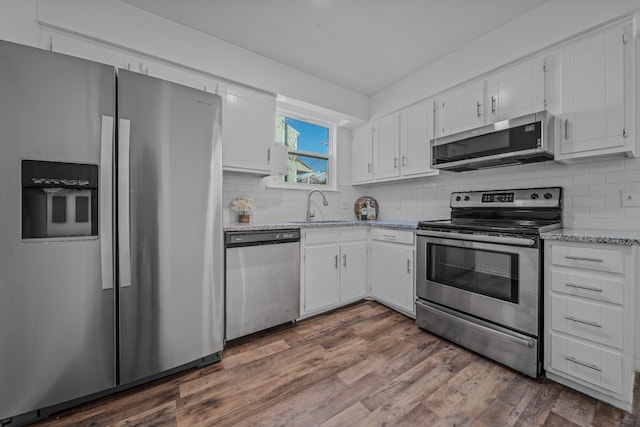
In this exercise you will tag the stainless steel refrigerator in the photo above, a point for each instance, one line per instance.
(111, 245)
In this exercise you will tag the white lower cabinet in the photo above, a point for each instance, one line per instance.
(334, 268)
(589, 317)
(392, 268)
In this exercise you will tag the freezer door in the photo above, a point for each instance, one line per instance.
(57, 322)
(170, 225)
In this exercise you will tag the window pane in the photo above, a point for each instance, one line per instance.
(305, 170)
(300, 135)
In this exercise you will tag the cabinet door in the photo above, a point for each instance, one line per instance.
(593, 95)
(386, 147)
(464, 107)
(392, 274)
(248, 131)
(414, 140)
(353, 270)
(321, 278)
(520, 90)
(362, 154)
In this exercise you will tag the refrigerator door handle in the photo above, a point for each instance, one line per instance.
(124, 249)
(106, 201)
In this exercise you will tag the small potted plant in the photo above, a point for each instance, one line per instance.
(244, 206)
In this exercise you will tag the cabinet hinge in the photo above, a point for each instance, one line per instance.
(624, 38)
(544, 67)
(624, 132)
(545, 103)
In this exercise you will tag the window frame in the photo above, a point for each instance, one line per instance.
(330, 156)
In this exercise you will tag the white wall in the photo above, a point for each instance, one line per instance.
(125, 26)
(538, 29)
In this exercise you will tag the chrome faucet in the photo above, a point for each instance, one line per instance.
(310, 214)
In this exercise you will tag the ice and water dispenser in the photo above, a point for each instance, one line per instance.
(59, 200)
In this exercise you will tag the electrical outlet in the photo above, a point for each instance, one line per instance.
(630, 198)
(344, 203)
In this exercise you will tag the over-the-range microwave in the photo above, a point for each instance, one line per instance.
(525, 139)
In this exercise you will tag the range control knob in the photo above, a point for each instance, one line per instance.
(548, 196)
(458, 198)
(534, 196)
(466, 198)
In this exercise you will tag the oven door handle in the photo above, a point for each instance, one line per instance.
(523, 241)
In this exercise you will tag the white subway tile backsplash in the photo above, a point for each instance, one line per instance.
(605, 189)
(586, 201)
(607, 212)
(625, 176)
(591, 193)
(622, 224)
(609, 165)
(590, 178)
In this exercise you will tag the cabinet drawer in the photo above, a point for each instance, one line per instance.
(608, 289)
(321, 236)
(608, 260)
(587, 362)
(391, 235)
(353, 234)
(588, 320)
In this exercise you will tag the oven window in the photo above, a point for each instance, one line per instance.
(489, 273)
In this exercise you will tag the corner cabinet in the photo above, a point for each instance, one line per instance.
(248, 131)
(334, 266)
(597, 95)
(589, 318)
(392, 268)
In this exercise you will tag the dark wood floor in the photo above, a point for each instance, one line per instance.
(362, 365)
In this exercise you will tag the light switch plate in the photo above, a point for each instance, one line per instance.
(630, 198)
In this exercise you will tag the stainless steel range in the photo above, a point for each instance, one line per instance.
(479, 280)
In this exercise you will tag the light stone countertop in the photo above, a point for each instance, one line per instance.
(287, 225)
(613, 237)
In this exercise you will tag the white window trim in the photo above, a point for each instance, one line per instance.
(332, 174)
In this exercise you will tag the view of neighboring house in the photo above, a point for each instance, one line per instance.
(297, 170)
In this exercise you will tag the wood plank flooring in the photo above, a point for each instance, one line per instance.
(361, 365)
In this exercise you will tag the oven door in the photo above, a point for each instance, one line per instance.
(497, 282)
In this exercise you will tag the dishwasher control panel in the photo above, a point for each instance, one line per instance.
(260, 237)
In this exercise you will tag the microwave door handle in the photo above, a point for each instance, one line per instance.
(105, 194)
(124, 175)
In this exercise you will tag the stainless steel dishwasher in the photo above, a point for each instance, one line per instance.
(262, 280)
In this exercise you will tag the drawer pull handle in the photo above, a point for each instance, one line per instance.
(344, 260)
(586, 322)
(389, 236)
(587, 365)
(586, 288)
(579, 258)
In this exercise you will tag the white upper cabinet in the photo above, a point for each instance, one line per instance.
(362, 154)
(509, 93)
(515, 91)
(596, 100)
(394, 147)
(415, 155)
(248, 131)
(460, 109)
(386, 147)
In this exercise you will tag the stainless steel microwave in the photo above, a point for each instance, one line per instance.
(525, 139)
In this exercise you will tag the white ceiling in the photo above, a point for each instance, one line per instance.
(361, 45)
